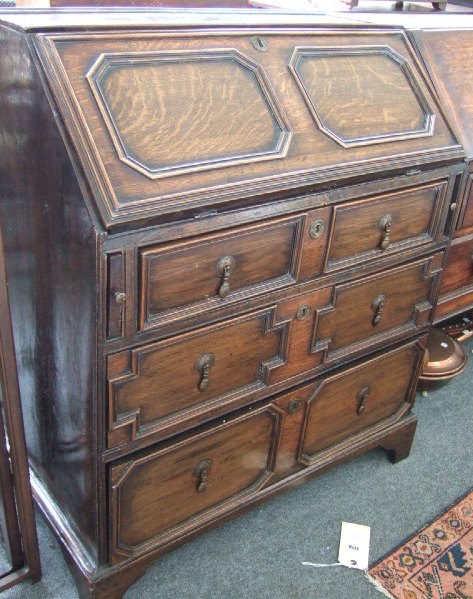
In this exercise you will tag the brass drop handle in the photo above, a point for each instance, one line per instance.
(378, 306)
(203, 365)
(385, 224)
(225, 266)
(201, 472)
(362, 398)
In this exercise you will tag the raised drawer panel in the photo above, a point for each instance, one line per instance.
(157, 495)
(151, 387)
(347, 403)
(370, 228)
(234, 121)
(367, 311)
(182, 279)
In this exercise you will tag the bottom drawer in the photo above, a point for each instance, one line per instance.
(158, 492)
(348, 404)
(159, 495)
(456, 291)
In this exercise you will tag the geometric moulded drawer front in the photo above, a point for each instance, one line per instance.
(163, 110)
(164, 385)
(347, 403)
(205, 272)
(168, 491)
(361, 95)
(366, 229)
(372, 309)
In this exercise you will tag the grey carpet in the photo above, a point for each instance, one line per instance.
(260, 554)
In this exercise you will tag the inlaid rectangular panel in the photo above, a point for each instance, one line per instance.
(186, 277)
(158, 495)
(372, 310)
(165, 123)
(344, 405)
(381, 225)
(168, 383)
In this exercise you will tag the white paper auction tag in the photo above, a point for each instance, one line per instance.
(354, 545)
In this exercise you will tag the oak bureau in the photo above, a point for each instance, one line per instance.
(448, 55)
(225, 234)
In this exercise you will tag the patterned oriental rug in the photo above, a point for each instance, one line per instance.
(436, 563)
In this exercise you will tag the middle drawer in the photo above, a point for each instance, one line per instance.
(170, 385)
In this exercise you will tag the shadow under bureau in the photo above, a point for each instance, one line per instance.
(224, 236)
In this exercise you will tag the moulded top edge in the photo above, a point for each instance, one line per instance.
(42, 20)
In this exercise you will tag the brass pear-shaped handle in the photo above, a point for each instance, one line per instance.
(225, 267)
(385, 224)
(378, 306)
(362, 398)
(201, 472)
(203, 365)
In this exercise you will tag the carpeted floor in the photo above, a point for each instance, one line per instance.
(436, 561)
(260, 554)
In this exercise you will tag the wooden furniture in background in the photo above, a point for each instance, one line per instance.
(225, 235)
(17, 522)
(448, 56)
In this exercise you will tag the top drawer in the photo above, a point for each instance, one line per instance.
(165, 122)
(380, 225)
(184, 278)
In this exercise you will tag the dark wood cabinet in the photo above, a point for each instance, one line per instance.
(225, 236)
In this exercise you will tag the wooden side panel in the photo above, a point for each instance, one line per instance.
(163, 493)
(51, 258)
(448, 55)
(456, 291)
(458, 271)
